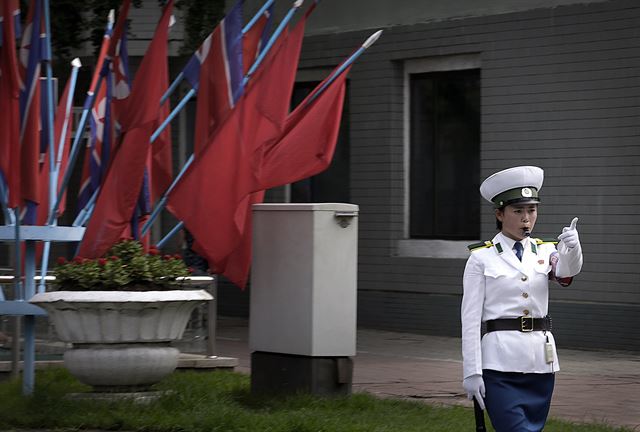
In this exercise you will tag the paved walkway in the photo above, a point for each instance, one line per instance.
(591, 386)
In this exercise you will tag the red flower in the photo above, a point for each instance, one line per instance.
(177, 256)
(114, 258)
(154, 251)
(102, 261)
(78, 260)
(62, 260)
(167, 257)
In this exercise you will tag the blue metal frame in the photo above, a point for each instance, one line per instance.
(20, 306)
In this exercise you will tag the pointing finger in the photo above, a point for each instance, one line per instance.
(574, 222)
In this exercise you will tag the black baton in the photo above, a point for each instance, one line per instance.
(479, 413)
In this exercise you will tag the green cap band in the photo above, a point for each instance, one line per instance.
(517, 195)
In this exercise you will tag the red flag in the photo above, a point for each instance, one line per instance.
(66, 139)
(14, 8)
(42, 211)
(110, 98)
(119, 30)
(252, 41)
(119, 78)
(101, 121)
(99, 146)
(121, 189)
(223, 168)
(305, 149)
(10, 109)
(309, 141)
(239, 260)
(218, 83)
(161, 164)
(31, 57)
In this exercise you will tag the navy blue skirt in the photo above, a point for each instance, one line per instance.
(518, 402)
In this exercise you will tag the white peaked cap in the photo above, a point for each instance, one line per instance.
(517, 184)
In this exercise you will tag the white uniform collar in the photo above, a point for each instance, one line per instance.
(507, 243)
(503, 246)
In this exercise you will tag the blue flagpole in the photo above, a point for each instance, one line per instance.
(174, 85)
(178, 79)
(8, 213)
(172, 115)
(370, 41)
(272, 40)
(67, 112)
(348, 62)
(17, 287)
(162, 203)
(75, 67)
(52, 146)
(257, 16)
(181, 105)
(192, 92)
(87, 215)
(75, 147)
(82, 214)
(171, 233)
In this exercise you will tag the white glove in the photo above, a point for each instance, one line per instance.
(569, 251)
(569, 235)
(474, 386)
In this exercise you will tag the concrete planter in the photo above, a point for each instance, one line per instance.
(120, 338)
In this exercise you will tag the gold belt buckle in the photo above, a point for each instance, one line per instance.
(526, 323)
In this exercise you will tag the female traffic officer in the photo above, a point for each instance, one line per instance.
(511, 369)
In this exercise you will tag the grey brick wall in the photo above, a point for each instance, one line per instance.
(575, 325)
(560, 90)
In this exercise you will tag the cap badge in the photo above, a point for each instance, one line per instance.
(526, 192)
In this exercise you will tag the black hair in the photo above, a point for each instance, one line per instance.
(498, 223)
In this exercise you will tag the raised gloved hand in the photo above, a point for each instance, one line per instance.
(569, 235)
(474, 386)
(569, 252)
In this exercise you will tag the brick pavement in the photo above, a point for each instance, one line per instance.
(591, 386)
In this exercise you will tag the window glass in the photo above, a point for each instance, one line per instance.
(444, 129)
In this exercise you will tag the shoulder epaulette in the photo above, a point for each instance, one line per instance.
(481, 245)
(546, 240)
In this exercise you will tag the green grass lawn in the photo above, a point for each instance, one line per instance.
(222, 401)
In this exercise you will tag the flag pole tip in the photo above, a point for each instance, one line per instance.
(172, 20)
(372, 39)
(297, 3)
(76, 62)
(112, 16)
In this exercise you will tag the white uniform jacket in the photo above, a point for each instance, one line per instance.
(497, 285)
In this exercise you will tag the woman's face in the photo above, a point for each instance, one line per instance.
(517, 219)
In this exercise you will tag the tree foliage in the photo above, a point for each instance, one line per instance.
(73, 23)
(200, 18)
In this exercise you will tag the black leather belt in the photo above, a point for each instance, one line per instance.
(523, 324)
